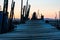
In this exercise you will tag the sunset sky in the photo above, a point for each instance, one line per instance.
(47, 7)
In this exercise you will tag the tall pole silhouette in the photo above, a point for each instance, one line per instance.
(38, 14)
(21, 10)
(12, 10)
(5, 7)
(59, 15)
(11, 15)
(4, 15)
(26, 8)
(0, 7)
(55, 16)
(24, 11)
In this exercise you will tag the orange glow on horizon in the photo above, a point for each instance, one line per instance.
(48, 14)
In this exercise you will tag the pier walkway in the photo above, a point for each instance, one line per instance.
(32, 30)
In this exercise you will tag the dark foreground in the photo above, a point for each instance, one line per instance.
(33, 30)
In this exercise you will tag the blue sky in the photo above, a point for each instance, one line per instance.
(46, 7)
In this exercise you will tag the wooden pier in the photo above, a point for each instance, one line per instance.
(32, 30)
